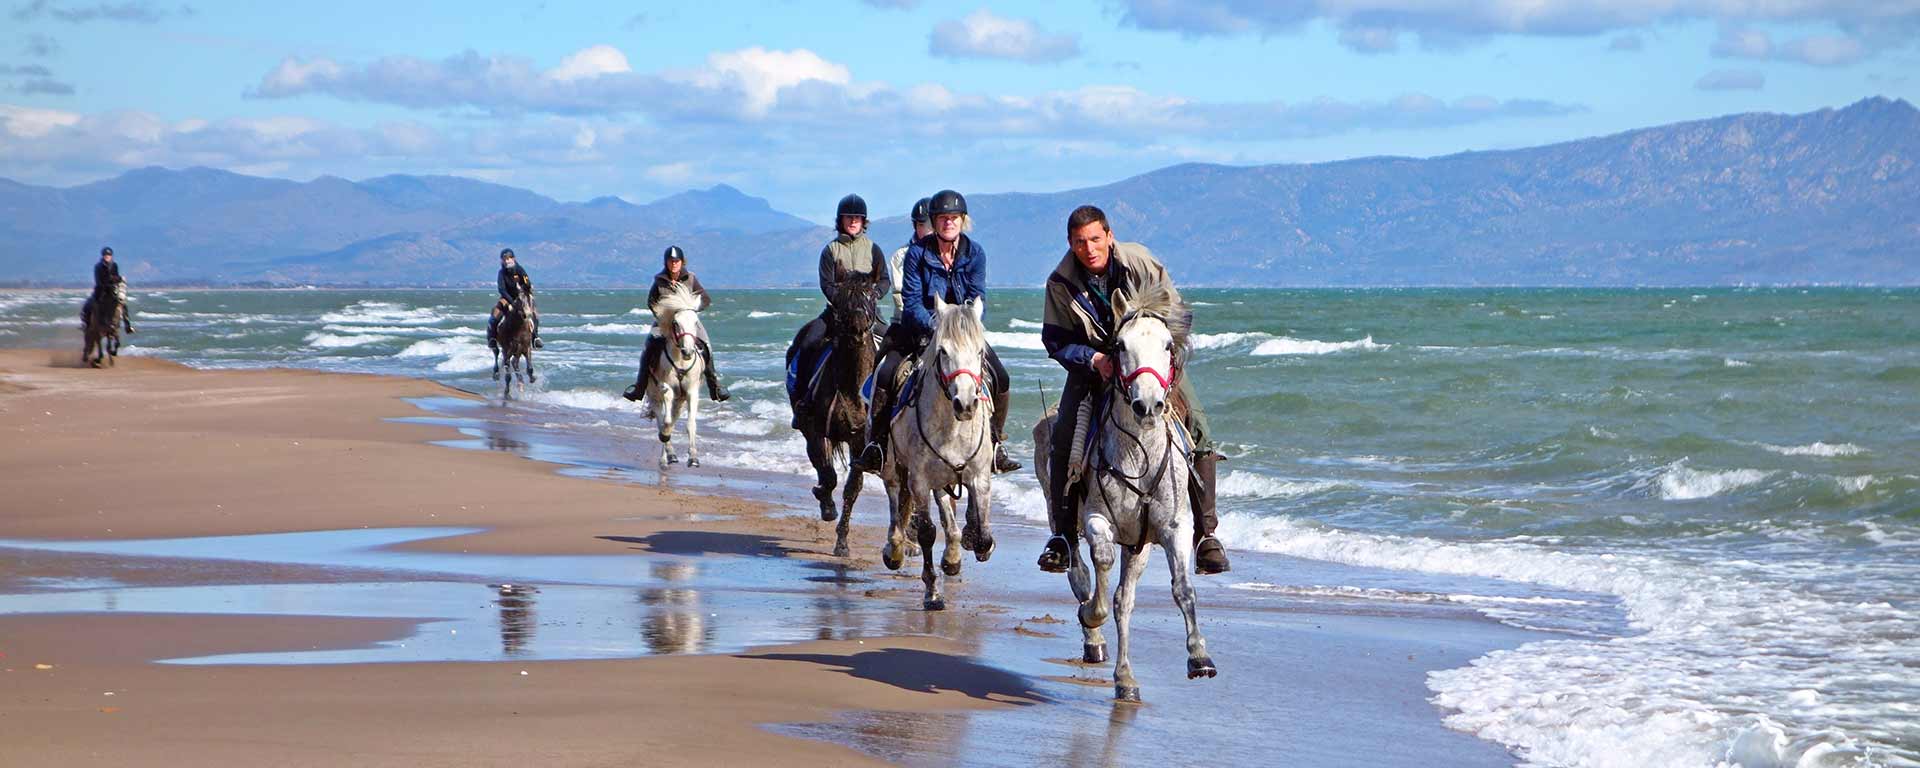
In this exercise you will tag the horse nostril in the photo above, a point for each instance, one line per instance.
(1139, 409)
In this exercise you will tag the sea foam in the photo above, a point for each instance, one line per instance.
(1291, 346)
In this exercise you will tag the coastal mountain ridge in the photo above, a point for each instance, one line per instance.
(1759, 198)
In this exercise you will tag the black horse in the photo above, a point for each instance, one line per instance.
(836, 420)
(101, 323)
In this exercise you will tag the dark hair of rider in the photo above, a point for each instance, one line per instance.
(1085, 215)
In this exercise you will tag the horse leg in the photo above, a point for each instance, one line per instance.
(1100, 544)
(895, 553)
(824, 483)
(1199, 663)
(496, 363)
(1132, 563)
(923, 528)
(663, 421)
(852, 494)
(692, 401)
(978, 535)
(1093, 647)
(530, 377)
(950, 555)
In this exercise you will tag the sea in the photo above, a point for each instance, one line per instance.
(1708, 499)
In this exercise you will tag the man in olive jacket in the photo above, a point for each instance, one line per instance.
(1078, 329)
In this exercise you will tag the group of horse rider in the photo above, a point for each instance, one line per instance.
(943, 263)
(106, 274)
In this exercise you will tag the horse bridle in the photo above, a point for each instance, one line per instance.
(919, 414)
(1102, 463)
(677, 336)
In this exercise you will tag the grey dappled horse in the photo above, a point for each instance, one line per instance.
(1136, 489)
(674, 386)
(942, 445)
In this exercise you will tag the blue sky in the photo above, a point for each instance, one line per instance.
(804, 102)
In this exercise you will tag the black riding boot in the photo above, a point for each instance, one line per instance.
(1063, 519)
(878, 427)
(493, 330)
(1209, 556)
(1001, 463)
(649, 355)
(537, 343)
(714, 390)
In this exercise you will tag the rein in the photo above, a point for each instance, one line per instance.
(920, 423)
(1104, 464)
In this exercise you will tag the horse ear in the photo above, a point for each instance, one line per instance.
(939, 305)
(979, 307)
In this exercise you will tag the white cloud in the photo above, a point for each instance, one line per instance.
(590, 62)
(32, 123)
(983, 35)
(1731, 80)
(760, 74)
(1816, 50)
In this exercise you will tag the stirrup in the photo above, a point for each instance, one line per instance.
(1210, 557)
(1001, 463)
(1054, 559)
(538, 344)
(871, 457)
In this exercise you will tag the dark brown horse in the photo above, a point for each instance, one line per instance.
(102, 327)
(516, 340)
(837, 414)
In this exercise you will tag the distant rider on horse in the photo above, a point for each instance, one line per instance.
(674, 271)
(921, 228)
(106, 274)
(949, 265)
(849, 256)
(1078, 331)
(511, 277)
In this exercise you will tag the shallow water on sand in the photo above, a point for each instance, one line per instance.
(1732, 468)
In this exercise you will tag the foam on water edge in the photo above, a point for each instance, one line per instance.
(1717, 643)
(1291, 346)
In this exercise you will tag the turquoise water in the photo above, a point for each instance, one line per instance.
(1739, 469)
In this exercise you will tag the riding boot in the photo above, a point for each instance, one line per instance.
(1002, 464)
(1209, 556)
(878, 423)
(493, 330)
(1063, 520)
(714, 390)
(537, 343)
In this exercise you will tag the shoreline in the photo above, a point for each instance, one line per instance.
(311, 451)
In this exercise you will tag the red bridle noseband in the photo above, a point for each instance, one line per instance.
(1166, 381)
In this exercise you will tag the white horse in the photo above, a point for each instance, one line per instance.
(674, 386)
(942, 443)
(1136, 488)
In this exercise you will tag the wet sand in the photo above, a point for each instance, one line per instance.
(757, 646)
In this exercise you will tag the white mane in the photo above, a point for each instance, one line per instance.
(673, 302)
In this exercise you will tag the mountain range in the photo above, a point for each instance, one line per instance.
(1823, 197)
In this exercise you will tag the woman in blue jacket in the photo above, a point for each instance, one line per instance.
(951, 266)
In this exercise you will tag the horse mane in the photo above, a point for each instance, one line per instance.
(958, 325)
(676, 299)
(1159, 301)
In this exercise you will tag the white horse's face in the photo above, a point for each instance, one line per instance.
(959, 363)
(120, 292)
(1146, 365)
(686, 332)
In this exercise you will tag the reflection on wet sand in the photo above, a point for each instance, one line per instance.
(516, 618)
(673, 621)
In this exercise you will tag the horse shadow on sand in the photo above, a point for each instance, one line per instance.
(698, 543)
(925, 672)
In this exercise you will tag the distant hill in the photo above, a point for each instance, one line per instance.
(1823, 197)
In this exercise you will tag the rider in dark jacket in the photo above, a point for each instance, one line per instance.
(952, 267)
(106, 273)
(674, 270)
(848, 256)
(511, 276)
(1078, 330)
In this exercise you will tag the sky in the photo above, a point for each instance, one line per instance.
(802, 103)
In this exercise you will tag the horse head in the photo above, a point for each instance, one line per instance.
(120, 291)
(676, 317)
(851, 310)
(1151, 333)
(960, 353)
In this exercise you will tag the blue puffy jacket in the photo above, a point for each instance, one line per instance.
(927, 278)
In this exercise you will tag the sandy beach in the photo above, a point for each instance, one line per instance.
(151, 451)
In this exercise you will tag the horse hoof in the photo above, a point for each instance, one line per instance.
(1127, 693)
(692, 462)
(889, 558)
(827, 512)
(1094, 653)
(935, 604)
(983, 549)
(950, 569)
(1201, 667)
(968, 537)
(840, 549)
(496, 375)
(670, 459)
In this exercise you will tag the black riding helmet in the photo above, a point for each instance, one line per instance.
(505, 252)
(920, 211)
(673, 254)
(852, 205)
(946, 201)
(106, 251)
